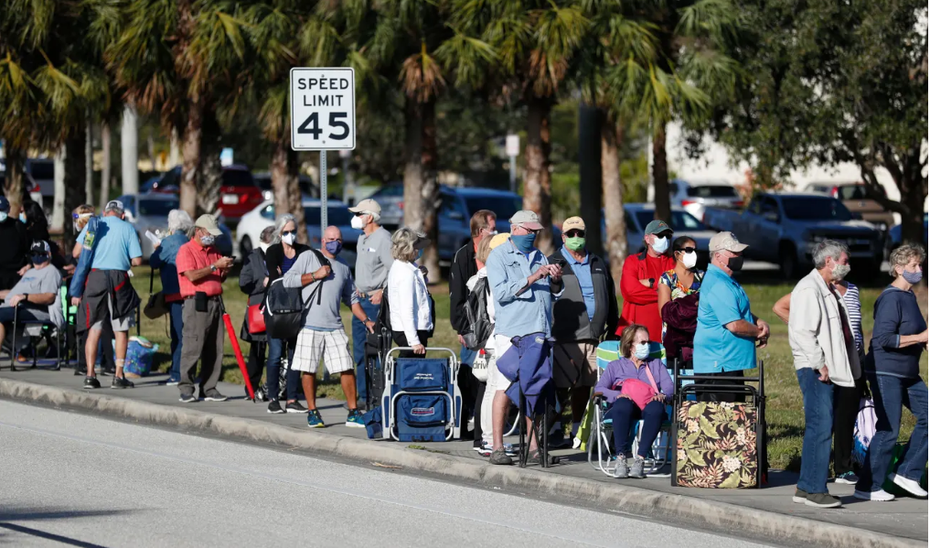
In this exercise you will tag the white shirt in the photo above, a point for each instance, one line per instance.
(409, 301)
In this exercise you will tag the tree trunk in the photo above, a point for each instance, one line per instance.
(660, 176)
(913, 196)
(413, 165)
(591, 180)
(190, 170)
(614, 215)
(429, 192)
(286, 187)
(72, 159)
(89, 162)
(13, 184)
(105, 171)
(129, 143)
(537, 186)
(58, 200)
(208, 193)
(174, 157)
(150, 145)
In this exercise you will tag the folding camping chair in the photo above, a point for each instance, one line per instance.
(34, 330)
(601, 451)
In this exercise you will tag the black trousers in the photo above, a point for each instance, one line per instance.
(468, 386)
(479, 397)
(401, 340)
(845, 410)
(256, 364)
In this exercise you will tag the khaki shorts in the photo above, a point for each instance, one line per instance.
(330, 346)
(575, 364)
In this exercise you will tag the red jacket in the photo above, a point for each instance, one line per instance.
(640, 303)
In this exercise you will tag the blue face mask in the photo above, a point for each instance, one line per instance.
(524, 242)
(641, 351)
(333, 247)
(38, 259)
(419, 256)
(22, 217)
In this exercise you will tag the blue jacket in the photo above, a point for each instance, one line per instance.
(526, 364)
(896, 313)
(164, 258)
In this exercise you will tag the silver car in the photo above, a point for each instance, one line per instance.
(694, 197)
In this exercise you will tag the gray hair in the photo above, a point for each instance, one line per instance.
(375, 217)
(828, 248)
(904, 255)
(402, 244)
(267, 235)
(279, 225)
(179, 221)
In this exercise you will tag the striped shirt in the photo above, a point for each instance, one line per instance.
(851, 297)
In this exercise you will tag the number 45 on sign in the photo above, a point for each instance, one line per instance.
(323, 108)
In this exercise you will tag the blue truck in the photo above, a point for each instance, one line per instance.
(784, 227)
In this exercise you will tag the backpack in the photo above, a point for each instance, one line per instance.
(76, 289)
(285, 307)
(479, 325)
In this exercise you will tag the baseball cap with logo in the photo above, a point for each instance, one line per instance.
(657, 226)
(726, 241)
(527, 219)
(208, 222)
(573, 223)
(40, 247)
(366, 206)
(115, 205)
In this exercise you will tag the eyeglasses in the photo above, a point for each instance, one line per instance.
(575, 233)
(687, 249)
(361, 214)
(288, 232)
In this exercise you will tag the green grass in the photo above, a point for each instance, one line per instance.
(784, 410)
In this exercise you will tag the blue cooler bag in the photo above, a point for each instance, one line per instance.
(139, 354)
(423, 405)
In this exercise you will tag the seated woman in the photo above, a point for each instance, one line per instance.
(408, 297)
(678, 301)
(623, 411)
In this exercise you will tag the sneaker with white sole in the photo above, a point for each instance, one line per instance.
(800, 496)
(355, 419)
(295, 407)
(622, 470)
(909, 485)
(878, 496)
(485, 449)
(848, 478)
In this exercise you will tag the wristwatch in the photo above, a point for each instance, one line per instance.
(212, 268)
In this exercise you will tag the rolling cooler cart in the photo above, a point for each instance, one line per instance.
(421, 399)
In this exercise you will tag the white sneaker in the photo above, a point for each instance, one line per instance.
(909, 485)
(879, 496)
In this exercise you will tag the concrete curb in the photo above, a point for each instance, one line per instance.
(704, 514)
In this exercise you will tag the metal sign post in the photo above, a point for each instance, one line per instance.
(323, 117)
(513, 150)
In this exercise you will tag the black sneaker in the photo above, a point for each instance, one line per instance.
(822, 500)
(800, 496)
(295, 407)
(275, 408)
(121, 382)
(215, 396)
(187, 398)
(91, 383)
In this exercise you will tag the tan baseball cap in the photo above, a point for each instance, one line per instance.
(726, 241)
(208, 222)
(366, 206)
(498, 239)
(573, 223)
(527, 219)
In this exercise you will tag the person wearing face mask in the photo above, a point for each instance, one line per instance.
(323, 335)
(372, 264)
(824, 352)
(36, 294)
(634, 366)
(727, 330)
(411, 306)
(640, 280)
(279, 259)
(678, 300)
(201, 271)
(253, 280)
(14, 253)
(899, 337)
(585, 312)
(164, 258)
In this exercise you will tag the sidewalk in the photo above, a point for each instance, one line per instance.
(768, 512)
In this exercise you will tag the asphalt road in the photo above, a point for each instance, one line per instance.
(72, 479)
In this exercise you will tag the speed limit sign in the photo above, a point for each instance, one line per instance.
(323, 108)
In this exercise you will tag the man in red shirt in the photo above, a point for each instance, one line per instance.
(641, 277)
(201, 271)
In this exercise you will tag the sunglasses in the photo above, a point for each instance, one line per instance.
(288, 232)
(575, 233)
(687, 249)
(361, 214)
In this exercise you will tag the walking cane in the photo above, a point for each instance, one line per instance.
(235, 344)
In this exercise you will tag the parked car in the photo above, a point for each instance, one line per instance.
(154, 184)
(252, 223)
(42, 171)
(307, 190)
(239, 193)
(391, 199)
(150, 212)
(894, 239)
(856, 200)
(784, 227)
(682, 222)
(31, 189)
(694, 196)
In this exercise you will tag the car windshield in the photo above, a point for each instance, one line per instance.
(855, 192)
(681, 220)
(337, 216)
(235, 177)
(503, 206)
(157, 208)
(716, 191)
(813, 208)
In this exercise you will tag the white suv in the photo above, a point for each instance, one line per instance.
(695, 196)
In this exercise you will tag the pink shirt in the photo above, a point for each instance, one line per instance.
(193, 256)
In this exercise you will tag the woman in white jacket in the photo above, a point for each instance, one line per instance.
(408, 296)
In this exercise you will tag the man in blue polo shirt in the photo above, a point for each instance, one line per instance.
(727, 331)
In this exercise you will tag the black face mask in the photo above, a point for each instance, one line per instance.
(735, 263)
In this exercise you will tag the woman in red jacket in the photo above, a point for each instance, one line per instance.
(640, 279)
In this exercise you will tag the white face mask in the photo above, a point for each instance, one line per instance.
(289, 239)
(263, 246)
(689, 259)
(3, 216)
(357, 222)
(641, 351)
(660, 245)
(840, 271)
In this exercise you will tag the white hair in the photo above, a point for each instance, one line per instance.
(279, 225)
(179, 221)
(402, 244)
(828, 248)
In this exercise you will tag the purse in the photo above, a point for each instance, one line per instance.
(156, 307)
(256, 319)
(638, 391)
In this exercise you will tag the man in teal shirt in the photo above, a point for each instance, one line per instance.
(727, 331)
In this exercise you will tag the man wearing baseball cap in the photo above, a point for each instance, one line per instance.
(640, 279)
(727, 331)
(14, 253)
(372, 265)
(586, 310)
(36, 294)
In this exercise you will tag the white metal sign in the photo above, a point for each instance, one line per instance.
(323, 108)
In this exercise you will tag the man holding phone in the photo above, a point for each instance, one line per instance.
(201, 271)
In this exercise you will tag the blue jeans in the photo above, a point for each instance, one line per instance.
(177, 328)
(273, 365)
(359, 336)
(818, 431)
(467, 357)
(624, 414)
(890, 394)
